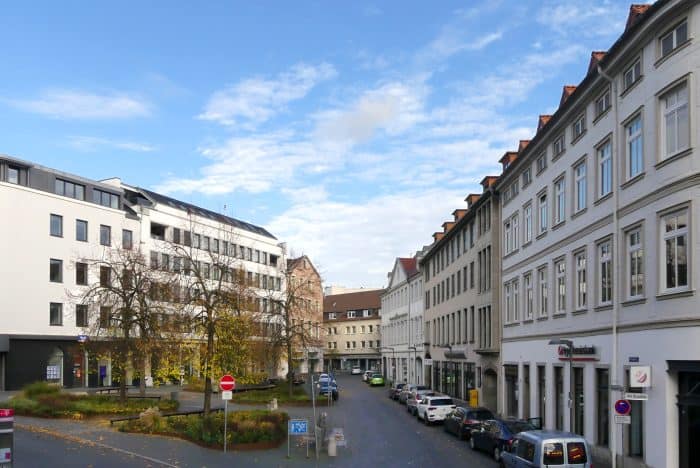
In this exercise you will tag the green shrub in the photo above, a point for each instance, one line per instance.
(35, 389)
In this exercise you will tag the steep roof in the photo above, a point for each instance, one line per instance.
(292, 263)
(370, 299)
(567, 91)
(636, 11)
(409, 266)
(596, 57)
(542, 121)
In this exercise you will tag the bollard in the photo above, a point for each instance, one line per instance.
(332, 452)
(7, 419)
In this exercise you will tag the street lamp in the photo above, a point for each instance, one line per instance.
(415, 358)
(393, 352)
(570, 355)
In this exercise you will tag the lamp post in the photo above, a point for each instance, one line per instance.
(415, 358)
(393, 369)
(570, 355)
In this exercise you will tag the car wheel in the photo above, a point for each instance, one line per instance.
(472, 444)
(425, 420)
(497, 454)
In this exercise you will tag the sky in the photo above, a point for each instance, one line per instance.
(350, 130)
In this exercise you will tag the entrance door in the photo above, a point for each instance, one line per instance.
(689, 418)
(54, 367)
(490, 390)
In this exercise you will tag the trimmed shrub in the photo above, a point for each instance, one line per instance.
(35, 389)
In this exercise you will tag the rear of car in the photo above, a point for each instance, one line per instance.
(356, 370)
(415, 397)
(474, 416)
(367, 375)
(548, 449)
(437, 409)
(395, 390)
(376, 379)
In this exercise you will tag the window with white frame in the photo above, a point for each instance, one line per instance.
(634, 146)
(542, 208)
(578, 127)
(560, 275)
(604, 169)
(541, 162)
(508, 236)
(508, 294)
(351, 314)
(543, 291)
(632, 74)
(559, 200)
(581, 280)
(558, 146)
(529, 296)
(676, 131)
(527, 223)
(527, 177)
(580, 189)
(516, 300)
(674, 38)
(674, 273)
(516, 231)
(605, 273)
(602, 104)
(635, 264)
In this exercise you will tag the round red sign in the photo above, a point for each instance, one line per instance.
(227, 383)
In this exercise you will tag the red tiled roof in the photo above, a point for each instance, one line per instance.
(542, 121)
(459, 213)
(447, 225)
(596, 56)
(438, 235)
(409, 266)
(523, 144)
(472, 198)
(508, 157)
(353, 301)
(488, 181)
(566, 92)
(635, 12)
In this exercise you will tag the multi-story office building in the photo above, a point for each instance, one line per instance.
(402, 322)
(67, 222)
(462, 321)
(353, 335)
(305, 292)
(600, 234)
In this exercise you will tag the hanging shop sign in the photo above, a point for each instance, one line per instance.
(640, 376)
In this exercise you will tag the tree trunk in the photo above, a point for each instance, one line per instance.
(207, 367)
(290, 363)
(142, 381)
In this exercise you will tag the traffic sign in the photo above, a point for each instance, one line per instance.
(623, 407)
(623, 419)
(636, 396)
(227, 383)
(298, 426)
(226, 395)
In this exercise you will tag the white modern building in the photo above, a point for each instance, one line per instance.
(600, 236)
(402, 322)
(58, 224)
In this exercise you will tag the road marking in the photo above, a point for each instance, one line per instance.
(79, 440)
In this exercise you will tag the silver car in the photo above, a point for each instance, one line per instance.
(416, 396)
(547, 448)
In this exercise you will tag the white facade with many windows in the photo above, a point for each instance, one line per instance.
(610, 264)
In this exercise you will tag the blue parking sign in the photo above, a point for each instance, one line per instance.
(298, 426)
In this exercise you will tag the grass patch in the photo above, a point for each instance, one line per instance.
(36, 400)
(244, 427)
(280, 391)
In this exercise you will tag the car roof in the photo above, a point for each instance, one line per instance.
(544, 434)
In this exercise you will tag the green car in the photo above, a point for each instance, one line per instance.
(376, 379)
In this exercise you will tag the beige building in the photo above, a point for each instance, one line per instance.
(306, 284)
(352, 325)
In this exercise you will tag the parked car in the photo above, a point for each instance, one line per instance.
(326, 378)
(395, 389)
(366, 376)
(495, 436)
(547, 448)
(406, 391)
(463, 419)
(356, 370)
(434, 408)
(415, 397)
(326, 387)
(376, 379)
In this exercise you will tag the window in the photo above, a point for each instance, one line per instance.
(81, 273)
(107, 199)
(127, 239)
(635, 263)
(508, 294)
(205, 243)
(542, 162)
(558, 146)
(581, 280)
(543, 293)
(675, 241)
(516, 300)
(81, 315)
(559, 200)
(81, 230)
(196, 240)
(578, 127)
(215, 245)
(55, 314)
(105, 276)
(177, 238)
(13, 174)
(105, 235)
(632, 74)
(527, 221)
(542, 202)
(529, 296)
(676, 133)
(56, 224)
(508, 236)
(560, 272)
(70, 189)
(527, 177)
(674, 38)
(602, 104)
(603, 406)
(635, 158)
(605, 169)
(351, 314)
(105, 317)
(580, 188)
(553, 453)
(56, 270)
(605, 273)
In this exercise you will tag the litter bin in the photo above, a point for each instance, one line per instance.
(7, 420)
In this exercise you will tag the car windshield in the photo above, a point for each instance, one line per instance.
(376, 376)
(441, 402)
(519, 426)
(481, 415)
(421, 387)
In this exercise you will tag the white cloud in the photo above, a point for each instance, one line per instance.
(89, 144)
(73, 104)
(590, 19)
(256, 100)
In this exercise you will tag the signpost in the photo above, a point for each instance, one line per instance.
(226, 384)
(297, 427)
(637, 396)
(622, 412)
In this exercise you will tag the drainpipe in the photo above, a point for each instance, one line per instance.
(408, 348)
(616, 290)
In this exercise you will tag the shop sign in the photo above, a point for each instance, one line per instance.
(580, 353)
(428, 362)
(640, 376)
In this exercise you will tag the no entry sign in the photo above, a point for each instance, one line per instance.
(227, 383)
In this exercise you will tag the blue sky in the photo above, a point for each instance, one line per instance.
(351, 130)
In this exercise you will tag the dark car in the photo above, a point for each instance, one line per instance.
(496, 435)
(395, 390)
(463, 420)
(325, 387)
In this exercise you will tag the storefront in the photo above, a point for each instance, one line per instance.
(688, 401)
